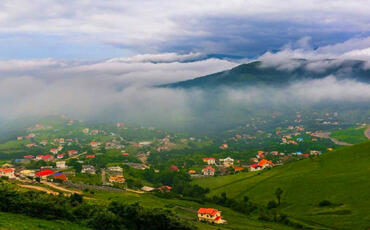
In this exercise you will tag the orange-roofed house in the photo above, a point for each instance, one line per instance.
(191, 171)
(265, 163)
(210, 215)
(8, 172)
(208, 171)
(238, 168)
(209, 160)
(60, 176)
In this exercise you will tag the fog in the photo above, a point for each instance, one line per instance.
(124, 89)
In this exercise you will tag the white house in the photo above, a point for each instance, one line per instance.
(228, 161)
(61, 164)
(208, 171)
(8, 172)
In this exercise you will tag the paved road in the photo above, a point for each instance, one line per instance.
(327, 135)
(367, 132)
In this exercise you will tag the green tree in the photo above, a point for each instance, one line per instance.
(278, 194)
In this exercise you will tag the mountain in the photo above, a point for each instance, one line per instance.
(256, 73)
(340, 177)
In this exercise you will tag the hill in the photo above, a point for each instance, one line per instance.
(255, 73)
(340, 177)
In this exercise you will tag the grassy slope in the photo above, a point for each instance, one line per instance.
(341, 177)
(9, 221)
(352, 135)
(236, 221)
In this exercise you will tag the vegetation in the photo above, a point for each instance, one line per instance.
(340, 177)
(351, 135)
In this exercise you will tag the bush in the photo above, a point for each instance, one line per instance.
(325, 203)
(272, 204)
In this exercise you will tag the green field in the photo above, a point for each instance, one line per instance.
(341, 177)
(9, 221)
(352, 135)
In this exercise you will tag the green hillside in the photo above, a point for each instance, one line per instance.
(10, 221)
(255, 73)
(340, 177)
(351, 135)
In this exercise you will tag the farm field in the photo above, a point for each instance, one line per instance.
(340, 177)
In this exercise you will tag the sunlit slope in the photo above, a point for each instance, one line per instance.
(341, 177)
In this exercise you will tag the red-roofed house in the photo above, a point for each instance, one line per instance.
(44, 173)
(210, 215)
(208, 171)
(8, 172)
(165, 188)
(209, 160)
(29, 157)
(174, 168)
(54, 151)
(125, 154)
(72, 152)
(60, 156)
(90, 156)
(254, 167)
(93, 144)
(47, 157)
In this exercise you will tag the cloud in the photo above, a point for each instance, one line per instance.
(238, 27)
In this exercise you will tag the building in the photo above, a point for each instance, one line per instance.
(147, 189)
(8, 172)
(60, 156)
(228, 161)
(117, 179)
(60, 176)
(27, 173)
(89, 169)
(174, 168)
(90, 156)
(72, 152)
(265, 164)
(45, 157)
(61, 164)
(94, 144)
(224, 146)
(254, 167)
(209, 160)
(208, 171)
(115, 169)
(210, 215)
(54, 151)
(44, 173)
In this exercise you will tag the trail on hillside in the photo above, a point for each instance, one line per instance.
(327, 136)
(39, 189)
(60, 188)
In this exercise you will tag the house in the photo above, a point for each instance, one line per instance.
(60, 156)
(85, 131)
(72, 152)
(27, 173)
(147, 189)
(120, 124)
(44, 142)
(209, 160)
(224, 146)
(90, 156)
(208, 171)
(19, 138)
(44, 173)
(94, 131)
(238, 168)
(31, 135)
(174, 168)
(315, 152)
(28, 157)
(191, 171)
(30, 145)
(61, 164)
(265, 163)
(45, 157)
(8, 172)
(60, 176)
(210, 215)
(89, 169)
(116, 169)
(54, 151)
(165, 188)
(254, 167)
(117, 179)
(125, 154)
(94, 144)
(228, 161)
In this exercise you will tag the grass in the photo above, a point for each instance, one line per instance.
(340, 177)
(352, 135)
(9, 221)
(235, 220)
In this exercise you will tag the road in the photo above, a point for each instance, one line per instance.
(60, 188)
(103, 176)
(39, 188)
(367, 132)
(327, 135)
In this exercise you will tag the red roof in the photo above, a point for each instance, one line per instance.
(218, 217)
(60, 176)
(72, 151)
(61, 155)
(209, 168)
(174, 168)
(45, 157)
(90, 156)
(210, 211)
(29, 156)
(7, 170)
(125, 154)
(306, 155)
(238, 168)
(45, 172)
(53, 150)
(254, 165)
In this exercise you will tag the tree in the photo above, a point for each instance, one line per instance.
(278, 194)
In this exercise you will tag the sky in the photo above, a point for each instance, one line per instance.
(95, 29)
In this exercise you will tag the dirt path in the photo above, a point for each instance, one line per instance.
(135, 191)
(60, 188)
(327, 135)
(103, 176)
(367, 132)
(39, 189)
